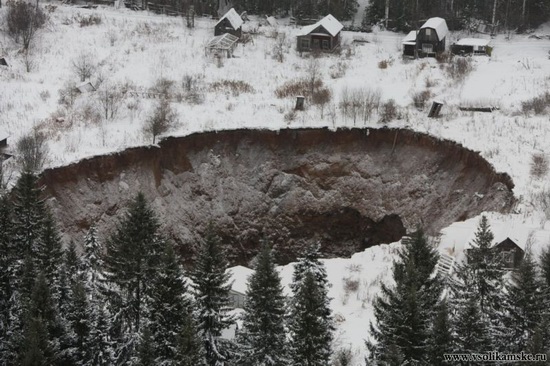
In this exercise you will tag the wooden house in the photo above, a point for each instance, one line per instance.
(431, 37)
(409, 44)
(323, 35)
(472, 46)
(230, 23)
(239, 284)
(511, 253)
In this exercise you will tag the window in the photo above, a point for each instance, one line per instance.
(315, 43)
(428, 32)
(305, 44)
(325, 44)
(427, 48)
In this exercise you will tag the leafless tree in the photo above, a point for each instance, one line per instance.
(24, 20)
(109, 98)
(32, 151)
(161, 119)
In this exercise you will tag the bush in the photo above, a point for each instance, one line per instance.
(338, 70)
(24, 20)
(459, 67)
(163, 87)
(84, 66)
(537, 105)
(109, 99)
(343, 357)
(388, 111)
(383, 64)
(234, 87)
(539, 165)
(68, 94)
(32, 152)
(296, 88)
(88, 20)
(193, 88)
(443, 57)
(420, 98)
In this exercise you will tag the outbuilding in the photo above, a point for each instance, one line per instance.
(510, 253)
(230, 23)
(409, 44)
(322, 36)
(431, 37)
(472, 46)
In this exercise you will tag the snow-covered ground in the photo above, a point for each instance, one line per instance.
(136, 49)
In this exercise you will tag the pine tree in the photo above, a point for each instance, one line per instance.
(263, 333)
(146, 349)
(525, 304)
(100, 351)
(404, 312)
(50, 254)
(169, 308)
(132, 258)
(310, 317)
(189, 351)
(92, 265)
(211, 287)
(545, 266)
(7, 262)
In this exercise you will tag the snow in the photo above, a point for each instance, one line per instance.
(234, 19)
(239, 277)
(479, 42)
(440, 26)
(410, 39)
(330, 23)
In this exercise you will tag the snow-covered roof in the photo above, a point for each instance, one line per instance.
(440, 26)
(410, 38)
(272, 21)
(330, 23)
(234, 18)
(473, 42)
(223, 42)
(239, 276)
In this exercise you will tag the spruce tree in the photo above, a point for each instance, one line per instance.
(310, 320)
(189, 351)
(525, 305)
(404, 312)
(211, 287)
(7, 262)
(100, 351)
(441, 338)
(169, 308)
(131, 261)
(146, 349)
(263, 336)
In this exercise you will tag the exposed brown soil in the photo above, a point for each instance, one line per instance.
(348, 189)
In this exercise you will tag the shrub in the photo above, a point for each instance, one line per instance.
(537, 105)
(24, 20)
(84, 66)
(539, 165)
(443, 57)
(193, 88)
(109, 97)
(338, 70)
(294, 88)
(88, 20)
(388, 111)
(343, 357)
(68, 94)
(383, 64)
(420, 98)
(279, 47)
(32, 151)
(163, 87)
(459, 67)
(234, 87)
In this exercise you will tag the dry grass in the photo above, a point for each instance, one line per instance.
(294, 88)
(235, 87)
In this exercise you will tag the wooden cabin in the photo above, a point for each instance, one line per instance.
(321, 36)
(511, 254)
(409, 44)
(431, 37)
(472, 46)
(230, 23)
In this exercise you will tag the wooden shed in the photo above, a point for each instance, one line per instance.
(409, 44)
(230, 23)
(323, 35)
(511, 253)
(431, 37)
(472, 46)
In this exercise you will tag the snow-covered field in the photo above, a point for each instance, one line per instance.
(137, 49)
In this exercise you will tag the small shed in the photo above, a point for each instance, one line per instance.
(85, 87)
(230, 23)
(472, 46)
(511, 253)
(323, 35)
(431, 37)
(409, 44)
(3, 61)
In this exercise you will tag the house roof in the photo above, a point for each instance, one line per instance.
(410, 38)
(234, 18)
(440, 26)
(239, 276)
(330, 23)
(272, 21)
(223, 42)
(473, 42)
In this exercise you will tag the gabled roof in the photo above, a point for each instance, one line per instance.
(234, 18)
(330, 23)
(223, 42)
(440, 26)
(410, 38)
